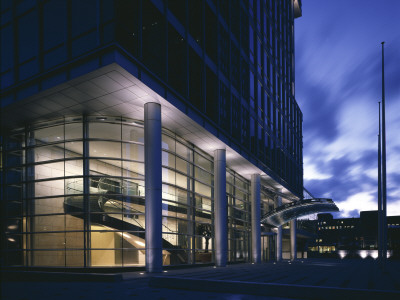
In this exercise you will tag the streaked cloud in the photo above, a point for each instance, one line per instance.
(311, 171)
(338, 86)
(352, 203)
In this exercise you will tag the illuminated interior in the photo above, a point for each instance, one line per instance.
(76, 188)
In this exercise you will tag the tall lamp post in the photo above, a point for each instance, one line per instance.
(380, 238)
(382, 175)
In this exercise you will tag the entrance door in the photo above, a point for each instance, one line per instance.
(268, 247)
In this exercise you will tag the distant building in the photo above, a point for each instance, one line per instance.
(334, 235)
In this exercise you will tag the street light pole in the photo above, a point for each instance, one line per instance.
(384, 222)
(380, 238)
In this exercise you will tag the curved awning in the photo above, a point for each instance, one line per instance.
(294, 210)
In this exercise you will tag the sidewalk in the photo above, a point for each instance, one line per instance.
(303, 279)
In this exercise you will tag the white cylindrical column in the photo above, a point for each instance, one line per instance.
(278, 202)
(255, 218)
(153, 186)
(220, 209)
(293, 240)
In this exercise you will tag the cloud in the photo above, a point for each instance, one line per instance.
(318, 114)
(393, 208)
(338, 85)
(360, 201)
(311, 172)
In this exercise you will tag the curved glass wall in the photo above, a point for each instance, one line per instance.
(75, 195)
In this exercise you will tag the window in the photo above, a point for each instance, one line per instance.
(153, 39)
(235, 67)
(127, 29)
(28, 36)
(224, 107)
(54, 23)
(196, 20)
(211, 33)
(212, 95)
(178, 8)
(85, 18)
(177, 61)
(224, 51)
(196, 75)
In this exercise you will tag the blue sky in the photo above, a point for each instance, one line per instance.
(338, 86)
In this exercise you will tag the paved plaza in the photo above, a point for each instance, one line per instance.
(303, 279)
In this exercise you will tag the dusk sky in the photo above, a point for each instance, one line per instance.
(338, 86)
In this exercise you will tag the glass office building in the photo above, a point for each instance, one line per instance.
(76, 77)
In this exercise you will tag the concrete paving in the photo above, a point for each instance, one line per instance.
(303, 279)
(127, 289)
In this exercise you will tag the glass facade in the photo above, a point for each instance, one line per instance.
(239, 219)
(74, 196)
(73, 189)
(232, 62)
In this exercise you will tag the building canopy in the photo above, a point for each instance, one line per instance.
(294, 210)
